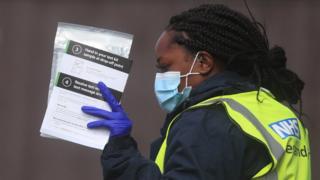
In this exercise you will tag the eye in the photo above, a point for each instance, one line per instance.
(162, 67)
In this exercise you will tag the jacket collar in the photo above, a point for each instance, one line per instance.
(223, 83)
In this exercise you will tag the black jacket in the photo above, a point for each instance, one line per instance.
(203, 143)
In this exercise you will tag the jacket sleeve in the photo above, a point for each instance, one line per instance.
(121, 160)
(202, 144)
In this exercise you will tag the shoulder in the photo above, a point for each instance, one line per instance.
(206, 123)
(213, 117)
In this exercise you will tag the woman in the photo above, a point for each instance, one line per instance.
(224, 90)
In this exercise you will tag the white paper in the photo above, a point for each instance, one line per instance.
(64, 119)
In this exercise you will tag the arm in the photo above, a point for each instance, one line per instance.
(209, 146)
(202, 144)
(122, 160)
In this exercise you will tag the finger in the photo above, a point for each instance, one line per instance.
(98, 124)
(108, 96)
(97, 112)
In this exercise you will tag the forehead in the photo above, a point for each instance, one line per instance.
(166, 46)
(164, 42)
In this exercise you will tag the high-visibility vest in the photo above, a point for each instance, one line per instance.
(270, 123)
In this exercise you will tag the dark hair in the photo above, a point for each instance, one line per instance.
(240, 44)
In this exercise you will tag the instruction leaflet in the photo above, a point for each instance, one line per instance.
(81, 68)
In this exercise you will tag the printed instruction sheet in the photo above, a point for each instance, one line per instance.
(80, 69)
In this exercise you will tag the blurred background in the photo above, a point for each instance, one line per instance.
(27, 32)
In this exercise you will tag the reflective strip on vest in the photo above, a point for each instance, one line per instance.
(276, 148)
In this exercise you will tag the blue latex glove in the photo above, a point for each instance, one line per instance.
(116, 121)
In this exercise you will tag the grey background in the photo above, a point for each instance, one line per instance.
(27, 31)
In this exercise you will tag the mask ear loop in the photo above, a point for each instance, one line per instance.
(190, 71)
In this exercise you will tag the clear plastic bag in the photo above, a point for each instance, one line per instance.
(112, 41)
(107, 40)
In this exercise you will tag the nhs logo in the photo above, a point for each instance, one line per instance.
(286, 128)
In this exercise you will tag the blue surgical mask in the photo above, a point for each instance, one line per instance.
(166, 88)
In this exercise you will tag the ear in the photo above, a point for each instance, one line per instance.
(206, 64)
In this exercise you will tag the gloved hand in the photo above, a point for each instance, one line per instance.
(116, 121)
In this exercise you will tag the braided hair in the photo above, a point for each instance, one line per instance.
(240, 45)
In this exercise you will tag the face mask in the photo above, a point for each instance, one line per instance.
(166, 88)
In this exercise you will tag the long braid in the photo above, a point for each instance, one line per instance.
(240, 44)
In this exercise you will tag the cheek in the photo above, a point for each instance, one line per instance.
(180, 64)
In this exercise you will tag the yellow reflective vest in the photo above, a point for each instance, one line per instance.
(270, 123)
